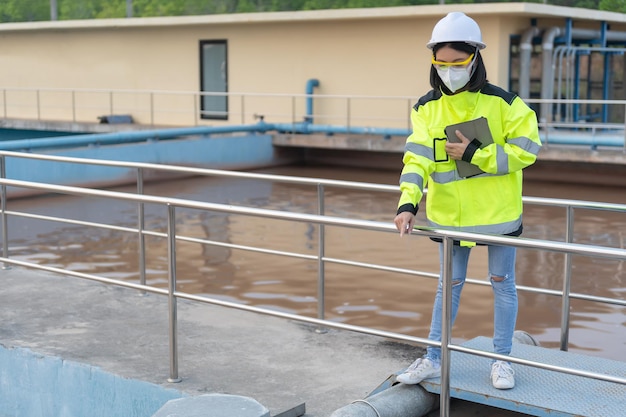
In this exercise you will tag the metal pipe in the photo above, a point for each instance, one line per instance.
(398, 401)
(402, 400)
(409, 122)
(333, 129)
(293, 111)
(38, 106)
(54, 10)
(3, 208)
(310, 85)
(526, 49)
(321, 248)
(558, 56)
(567, 278)
(262, 127)
(243, 109)
(152, 109)
(127, 137)
(624, 142)
(140, 230)
(606, 83)
(171, 299)
(559, 247)
(547, 72)
(446, 326)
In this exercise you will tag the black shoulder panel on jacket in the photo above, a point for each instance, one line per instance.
(492, 90)
(430, 96)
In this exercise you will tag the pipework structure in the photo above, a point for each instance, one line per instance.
(570, 63)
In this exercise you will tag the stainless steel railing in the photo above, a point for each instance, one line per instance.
(321, 220)
(181, 108)
(321, 185)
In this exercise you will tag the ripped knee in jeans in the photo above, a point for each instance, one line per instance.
(497, 278)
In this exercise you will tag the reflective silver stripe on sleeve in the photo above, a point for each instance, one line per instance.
(420, 150)
(496, 229)
(413, 178)
(526, 144)
(502, 161)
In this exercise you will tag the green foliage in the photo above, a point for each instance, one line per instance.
(24, 10)
(585, 4)
(85, 9)
(38, 10)
(613, 5)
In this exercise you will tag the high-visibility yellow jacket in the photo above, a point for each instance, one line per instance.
(486, 203)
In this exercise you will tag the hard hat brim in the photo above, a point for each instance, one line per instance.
(479, 45)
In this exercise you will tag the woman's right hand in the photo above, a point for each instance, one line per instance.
(404, 222)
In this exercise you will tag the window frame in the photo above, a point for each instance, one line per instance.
(204, 113)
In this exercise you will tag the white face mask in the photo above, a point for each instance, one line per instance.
(455, 78)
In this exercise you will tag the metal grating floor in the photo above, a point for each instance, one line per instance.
(538, 392)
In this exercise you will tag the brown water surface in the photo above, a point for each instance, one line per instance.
(384, 300)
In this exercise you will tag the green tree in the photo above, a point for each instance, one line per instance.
(24, 10)
(586, 4)
(613, 5)
(146, 8)
(38, 10)
(72, 9)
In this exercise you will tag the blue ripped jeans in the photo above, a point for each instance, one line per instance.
(501, 265)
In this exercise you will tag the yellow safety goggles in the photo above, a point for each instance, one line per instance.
(444, 65)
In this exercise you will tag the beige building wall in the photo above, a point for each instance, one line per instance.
(150, 67)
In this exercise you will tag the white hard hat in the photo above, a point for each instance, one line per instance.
(457, 27)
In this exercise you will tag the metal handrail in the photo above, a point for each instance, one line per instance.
(240, 110)
(567, 204)
(321, 220)
(446, 345)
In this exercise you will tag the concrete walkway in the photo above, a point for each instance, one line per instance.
(279, 363)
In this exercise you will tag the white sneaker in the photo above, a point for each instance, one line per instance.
(419, 370)
(502, 375)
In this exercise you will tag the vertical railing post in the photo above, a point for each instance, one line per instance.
(243, 110)
(151, 109)
(348, 115)
(321, 246)
(73, 106)
(172, 307)
(446, 325)
(567, 279)
(4, 102)
(624, 148)
(38, 106)
(110, 102)
(3, 208)
(140, 227)
(293, 114)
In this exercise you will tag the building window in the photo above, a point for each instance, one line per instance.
(213, 80)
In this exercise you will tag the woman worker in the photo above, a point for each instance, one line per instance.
(490, 202)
